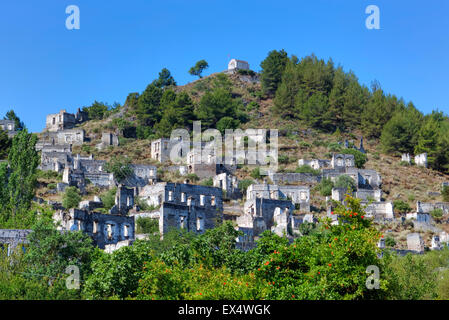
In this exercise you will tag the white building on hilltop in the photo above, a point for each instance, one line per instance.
(235, 65)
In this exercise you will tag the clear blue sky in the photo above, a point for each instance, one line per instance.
(122, 45)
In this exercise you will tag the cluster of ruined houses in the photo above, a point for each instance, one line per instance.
(267, 206)
(9, 126)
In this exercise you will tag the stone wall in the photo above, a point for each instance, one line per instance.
(427, 207)
(104, 229)
(11, 239)
(292, 178)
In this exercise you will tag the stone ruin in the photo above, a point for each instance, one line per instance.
(11, 240)
(415, 243)
(186, 206)
(406, 158)
(64, 120)
(299, 195)
(421, 160)
(107, 139)
(104, 229)
(265, 214)
(229, 184)
(427, 207)
(124, 200)
(9, 126)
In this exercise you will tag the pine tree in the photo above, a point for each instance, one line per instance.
(400, 134)
(272, 68)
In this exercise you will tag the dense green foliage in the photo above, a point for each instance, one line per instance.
(11, 115)
(326, 262)
(346, 182)
(198, 68)
(401, 206)
(327, 98)
(97, 111)
(120, 167)
(445, 193)
(71, 198)
(5, 144)
(18, 179)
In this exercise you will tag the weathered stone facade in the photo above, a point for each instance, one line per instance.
(415, 242)
(293, 177)
(9, 126)
(64, 120)
(421, 160)
(12, 240)
(194, 208)
(229, 184)
(427, 207)
(265, 214)
(235, 65)
(104, 229)
(297, 194)
(124, 200)
(108, 139)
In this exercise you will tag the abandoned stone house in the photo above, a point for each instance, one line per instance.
(339, 194)
(202, 164)
(64, 120)
(262, 214)
(363, 178)
(421, 160)
(192, 207)
(293, 177)
(124, 200)
(161, 149)
(107, 139)
(379, 210)
(415, 242)
(316, 164)
(427, 207)
(9, 126)
(104, 229)
(299, 195)
(235, 65)
(229, 184)
(338, 161)
(435, 243)
(406, 158)
(11, 240)
(68, 136)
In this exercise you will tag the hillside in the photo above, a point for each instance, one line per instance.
(296, 141)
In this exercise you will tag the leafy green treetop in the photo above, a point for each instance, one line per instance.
(198, 68)
(11, 115)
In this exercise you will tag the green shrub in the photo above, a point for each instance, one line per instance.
(401, 206)
(207, 182)
(51, 186)
(346, 182)
(334, 147)
(437, 214)
(192, 177)
(71, 198)
(325, 187)
(244, 184)
(359, 157)
(445, 193)
(390, 242)
(307, 169)
(108, 198)
(147, 225)
(283, 159)
(255, 173)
